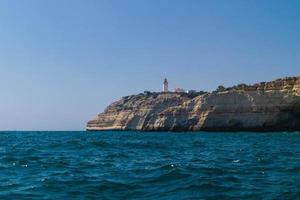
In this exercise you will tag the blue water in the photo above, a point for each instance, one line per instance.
(134, 165)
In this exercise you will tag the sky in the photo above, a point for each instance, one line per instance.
(63, 61)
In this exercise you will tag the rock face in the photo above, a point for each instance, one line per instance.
(267, 106)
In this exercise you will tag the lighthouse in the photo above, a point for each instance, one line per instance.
(165, 85)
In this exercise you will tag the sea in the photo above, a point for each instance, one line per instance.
(149, 165)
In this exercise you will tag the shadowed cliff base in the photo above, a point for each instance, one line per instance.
(266, 106)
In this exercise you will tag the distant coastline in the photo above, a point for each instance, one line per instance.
(265, 106)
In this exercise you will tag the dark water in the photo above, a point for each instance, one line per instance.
(133, 165)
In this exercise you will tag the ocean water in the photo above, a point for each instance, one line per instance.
(135, 165)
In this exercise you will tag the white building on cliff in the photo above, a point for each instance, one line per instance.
(176, 90)
(165, 85)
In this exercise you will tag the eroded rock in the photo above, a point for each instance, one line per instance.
(266, 106)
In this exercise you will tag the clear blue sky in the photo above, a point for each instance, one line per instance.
(64, 61)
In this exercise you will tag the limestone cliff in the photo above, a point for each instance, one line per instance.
(266, 106)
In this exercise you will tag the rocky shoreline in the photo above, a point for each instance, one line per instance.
(265, 106)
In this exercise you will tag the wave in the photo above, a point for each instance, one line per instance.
(115, 165)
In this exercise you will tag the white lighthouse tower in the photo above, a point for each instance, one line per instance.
(165, 85)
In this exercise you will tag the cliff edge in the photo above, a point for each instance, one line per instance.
(266, 106)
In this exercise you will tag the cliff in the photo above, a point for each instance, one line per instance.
(266, 106)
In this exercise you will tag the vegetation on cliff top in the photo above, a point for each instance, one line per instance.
(281, 83)
(285, 83)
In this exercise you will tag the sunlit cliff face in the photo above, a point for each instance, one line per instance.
(267, 106)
